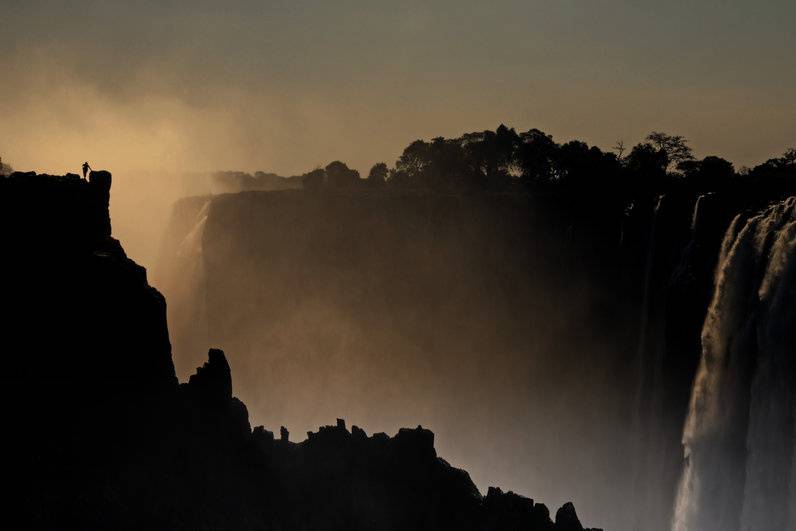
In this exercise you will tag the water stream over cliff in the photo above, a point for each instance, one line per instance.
(642, 427)
(739, 432)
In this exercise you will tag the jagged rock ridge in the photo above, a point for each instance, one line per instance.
(104, 437)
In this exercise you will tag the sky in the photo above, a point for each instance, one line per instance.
(288, 86)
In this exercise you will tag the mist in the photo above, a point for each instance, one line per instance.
(449, 312)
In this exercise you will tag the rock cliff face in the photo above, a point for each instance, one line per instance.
(101, 435)
(505, 321)
(73, 294)
(494, 318)
(581, 316)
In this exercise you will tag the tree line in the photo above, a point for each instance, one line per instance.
(505, 160)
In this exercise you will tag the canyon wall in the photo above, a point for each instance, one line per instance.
(101, 435)
(551, 339)
(509, 323)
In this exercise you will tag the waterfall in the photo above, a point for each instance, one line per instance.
(645, 361)
(697, 210)
(185, 289)
(644, 321)
(739, 433)
(190, 247)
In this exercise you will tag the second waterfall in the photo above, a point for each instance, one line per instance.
(739, 432)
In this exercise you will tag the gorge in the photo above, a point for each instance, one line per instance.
(519, 326)
(551, 341)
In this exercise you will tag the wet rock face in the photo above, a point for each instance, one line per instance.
(104, 437)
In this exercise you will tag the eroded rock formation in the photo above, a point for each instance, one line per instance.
(99, 434)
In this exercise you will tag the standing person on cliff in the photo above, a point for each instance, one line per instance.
(86, 168)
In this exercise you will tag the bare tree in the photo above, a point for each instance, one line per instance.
(620, 149)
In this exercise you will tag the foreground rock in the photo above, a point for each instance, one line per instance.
(100, 435)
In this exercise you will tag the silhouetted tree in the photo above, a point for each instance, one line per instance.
(675, 147)
(490, 160)
(314, 180)
(475, 150)
(619, 147)
(787, 160)
(338, 175)
(710, 173)
(492, 155)
(378, 174)
(506, 142)
(774, 173)
(535, 156)
(646, 166)
(398, 179)
(583, 167)
(414, 162)
(450, 167)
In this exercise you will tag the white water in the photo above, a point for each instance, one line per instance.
(190, 247)
(739, 433)
(697, 210)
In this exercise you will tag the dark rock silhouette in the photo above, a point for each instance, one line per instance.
(566, 518)
(103, 436)
(213, 379)
(512, 511)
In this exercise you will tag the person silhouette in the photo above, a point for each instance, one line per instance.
(86, 167)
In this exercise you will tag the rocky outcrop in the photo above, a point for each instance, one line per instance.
(213, 380)
(103, 436)
(460, 307)
(79, 311)
(512, 511)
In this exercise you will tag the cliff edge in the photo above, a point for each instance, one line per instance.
(104, 437)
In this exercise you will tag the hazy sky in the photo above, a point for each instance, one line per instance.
(289, 85)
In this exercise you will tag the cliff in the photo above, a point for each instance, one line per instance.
(507, 321)
(72, 293)
(104, 437)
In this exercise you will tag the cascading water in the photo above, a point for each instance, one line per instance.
(191, 246)
(642, 426)
(187, 285)
(697, 209)
(739, 432)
